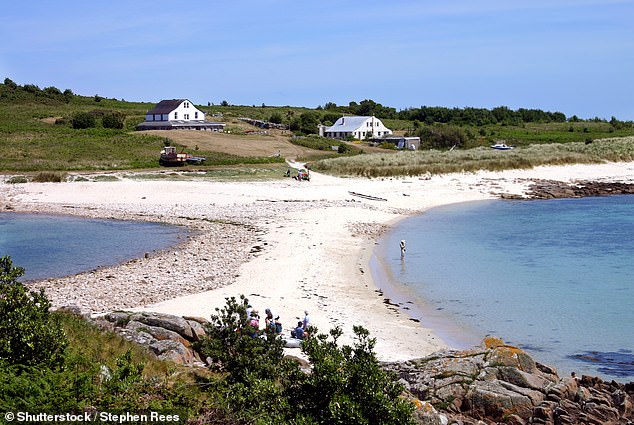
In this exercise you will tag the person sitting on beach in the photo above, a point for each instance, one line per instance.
(249, 311)
(298, 332)
(268, 319)
(278, 325)
(254, 322)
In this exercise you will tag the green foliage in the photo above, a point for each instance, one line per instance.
(49, 177)
(482, 158)
(83, 120)
(325, 144)
(442, 136)
(114, 119)
(308, 122)
(29, 335)
(346, 384)
(103, 372)
(237, 348)
(276, 118)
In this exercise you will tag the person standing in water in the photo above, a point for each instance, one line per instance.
(402, 248)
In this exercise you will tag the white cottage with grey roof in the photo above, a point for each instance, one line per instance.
(179, 114)
(357, 127)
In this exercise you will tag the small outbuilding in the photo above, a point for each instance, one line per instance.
(177, 114)
(402, 142)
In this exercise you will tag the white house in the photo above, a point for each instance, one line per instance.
(358, 127)
(177, 114)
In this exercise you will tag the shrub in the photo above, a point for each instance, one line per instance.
(17, 179)
(346, 384)
(49, 177)
(235, 347)
(113, 119)
(83, 120)
(276, 118)
(29, 335)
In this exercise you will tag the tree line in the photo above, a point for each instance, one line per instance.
(459, 116)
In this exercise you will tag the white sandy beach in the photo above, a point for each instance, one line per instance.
(313, 241)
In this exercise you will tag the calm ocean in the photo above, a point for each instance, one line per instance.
(55, 246)
(554, 277)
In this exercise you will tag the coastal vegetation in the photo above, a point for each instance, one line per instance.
(59, 363)
(441, 162)
(54, 130)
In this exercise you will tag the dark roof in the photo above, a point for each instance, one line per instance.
(166, 106)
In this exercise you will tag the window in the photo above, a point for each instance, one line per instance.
(175, 115)
(186, 105)
(196, 115)
(186, 116)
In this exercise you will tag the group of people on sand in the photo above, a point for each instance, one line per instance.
(273, 324)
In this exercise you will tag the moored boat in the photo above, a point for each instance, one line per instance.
(501, 146)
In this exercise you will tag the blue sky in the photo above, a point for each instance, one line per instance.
(573, 56)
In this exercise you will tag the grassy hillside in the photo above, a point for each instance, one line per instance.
(36, 135)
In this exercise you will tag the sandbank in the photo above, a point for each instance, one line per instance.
(286, 245)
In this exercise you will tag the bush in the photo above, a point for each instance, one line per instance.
(29, 335)
(113, 119)
(83, 120)
(346, 384)
(276, 118)
(49, 177)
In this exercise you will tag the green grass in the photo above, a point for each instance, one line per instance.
(533, 133)
(437, 162)
(31, 145)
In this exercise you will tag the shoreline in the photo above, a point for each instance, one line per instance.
(305, 245)
(455, 337)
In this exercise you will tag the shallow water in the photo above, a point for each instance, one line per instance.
(554, 277)
(54, 246)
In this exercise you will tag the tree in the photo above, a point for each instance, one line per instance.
(68, 95)
(308, 122)
(29, 334)
(10, 83)
(83, 120)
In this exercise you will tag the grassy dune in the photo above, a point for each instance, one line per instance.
(440, 162)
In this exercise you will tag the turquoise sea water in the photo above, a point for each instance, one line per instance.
(54, 246)
(555, 277)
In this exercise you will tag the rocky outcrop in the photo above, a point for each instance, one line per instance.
(489, 384)
(549, 189)
(169, 337)
(499, 383)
